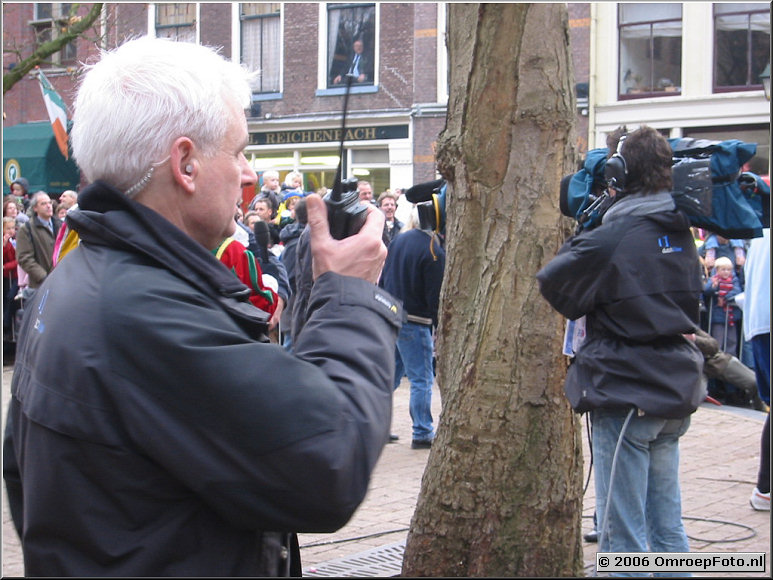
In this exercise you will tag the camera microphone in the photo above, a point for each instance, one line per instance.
(423, 191)
(262, 238)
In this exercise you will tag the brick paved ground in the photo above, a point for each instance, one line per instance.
(718, 471)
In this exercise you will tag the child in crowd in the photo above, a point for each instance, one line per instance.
(10, 277)
(719, 292)
(287, 214)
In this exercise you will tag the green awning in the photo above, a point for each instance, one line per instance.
(30, 151)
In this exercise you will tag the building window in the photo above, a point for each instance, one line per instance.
(261, 44)
(49, 19)
(351, 34)
(176, 21)
(650, 50)
(741, 45)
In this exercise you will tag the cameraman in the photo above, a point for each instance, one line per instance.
(636, 280)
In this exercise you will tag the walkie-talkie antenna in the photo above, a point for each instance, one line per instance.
(337, 187)
(345, 213)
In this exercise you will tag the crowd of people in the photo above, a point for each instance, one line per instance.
(31, 223)
(723, 291)
(413, 273)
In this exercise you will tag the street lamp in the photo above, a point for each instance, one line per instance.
(765, 76)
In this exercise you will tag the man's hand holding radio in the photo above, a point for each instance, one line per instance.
(361, 255)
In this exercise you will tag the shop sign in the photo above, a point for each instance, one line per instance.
(302, 136)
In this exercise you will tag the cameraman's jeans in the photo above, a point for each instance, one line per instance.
(413, 357)
(645, 509)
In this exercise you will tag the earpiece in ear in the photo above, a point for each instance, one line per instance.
(189, 169)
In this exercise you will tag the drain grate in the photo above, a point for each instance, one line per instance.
(381, 561)
(384, 561)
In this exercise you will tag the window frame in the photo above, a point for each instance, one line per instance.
(192, 25)
(47, 27)
(670, 91)
(750, 85)
(278, 15)
(329, 45)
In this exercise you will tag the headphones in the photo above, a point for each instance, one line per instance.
(616, 169)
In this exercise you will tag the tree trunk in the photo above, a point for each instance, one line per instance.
(502, 491)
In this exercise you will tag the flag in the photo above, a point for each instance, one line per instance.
(57, 113)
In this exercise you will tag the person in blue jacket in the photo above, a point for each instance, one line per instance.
(413, 273)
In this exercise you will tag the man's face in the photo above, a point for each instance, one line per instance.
(365, 191)
(358, 46)
(221, 177)
(44, 207)
(67, 199)
(263, 210)
(388, 206)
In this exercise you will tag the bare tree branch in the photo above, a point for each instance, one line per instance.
(75, 28)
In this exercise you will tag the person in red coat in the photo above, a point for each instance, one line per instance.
(10, 278)
(243, 264)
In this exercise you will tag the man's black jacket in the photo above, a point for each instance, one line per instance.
(152, 432)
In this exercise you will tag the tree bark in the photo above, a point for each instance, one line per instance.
(502, 491)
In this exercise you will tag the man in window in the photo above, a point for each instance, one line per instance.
(360, 65)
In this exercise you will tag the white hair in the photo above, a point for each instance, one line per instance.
(412, 221)
(138, 98)
(290, 177)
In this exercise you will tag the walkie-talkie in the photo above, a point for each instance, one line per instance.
(345, 213)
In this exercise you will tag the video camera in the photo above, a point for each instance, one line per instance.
(430, 200)
(708, 186)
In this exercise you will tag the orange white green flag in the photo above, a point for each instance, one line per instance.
(57, 113)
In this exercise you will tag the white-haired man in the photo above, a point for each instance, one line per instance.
(152, 430)
(68, 198)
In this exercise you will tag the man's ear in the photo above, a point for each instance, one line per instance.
(183, 163)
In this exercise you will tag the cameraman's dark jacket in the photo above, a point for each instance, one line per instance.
(637, 279)
(153, 432)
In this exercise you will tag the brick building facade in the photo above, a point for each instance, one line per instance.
(392, 123)
(395, 118)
